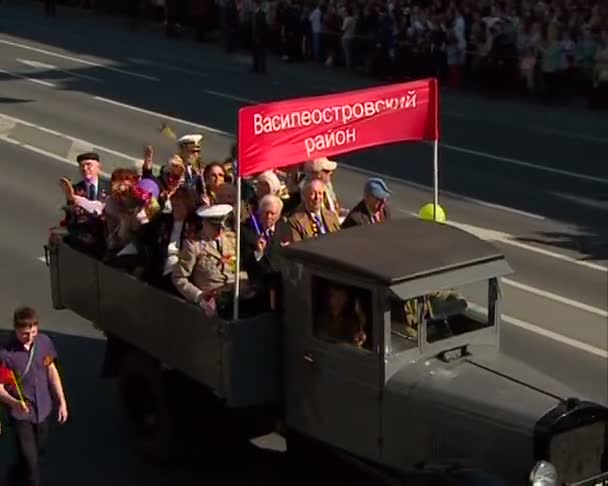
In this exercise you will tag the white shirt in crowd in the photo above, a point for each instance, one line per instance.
(348, 27)
(315, 20)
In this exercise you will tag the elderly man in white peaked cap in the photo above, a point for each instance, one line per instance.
(190, 151)
(206, 271)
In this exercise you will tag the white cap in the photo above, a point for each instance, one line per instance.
(196, 139)
(271, 179)
(323, 163)
(217, 211)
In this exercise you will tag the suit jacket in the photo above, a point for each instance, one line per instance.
(360, 215)
(201, 267)
(103, 189)
(153, 245)
(302, 225)
(268, 266)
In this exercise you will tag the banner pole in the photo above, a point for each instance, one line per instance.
(237, 281)
(436, 152)
(435, 178)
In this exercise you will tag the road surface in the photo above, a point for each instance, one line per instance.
(531, 179)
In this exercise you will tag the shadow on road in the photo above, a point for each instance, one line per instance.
(93, 448)
(592, 246)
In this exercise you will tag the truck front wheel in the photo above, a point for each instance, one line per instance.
(145, 401)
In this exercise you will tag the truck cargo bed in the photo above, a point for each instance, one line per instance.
(240, 360)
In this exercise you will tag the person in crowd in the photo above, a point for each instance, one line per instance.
(50, 8)
(323, 169)
(206, 270)
(92, 186)
(171, 178)
(373, 208)
(131, 205)
(226, 194)
(163, 239)
(342, 319)
(312, 219)
(259, 38)
(267, 183)
(189, 149)
(214, 176)
(261, 237)
(30, 356)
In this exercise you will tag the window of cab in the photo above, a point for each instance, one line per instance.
(342, 313)
(445, 313)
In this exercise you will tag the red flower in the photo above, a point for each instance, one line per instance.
(6, 376)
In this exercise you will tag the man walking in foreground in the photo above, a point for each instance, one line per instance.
(29, 359)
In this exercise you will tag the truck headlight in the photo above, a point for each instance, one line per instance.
(543, 474)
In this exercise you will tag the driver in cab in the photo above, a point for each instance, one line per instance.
(342, 318)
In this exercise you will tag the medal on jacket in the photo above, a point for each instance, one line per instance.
(318, 228)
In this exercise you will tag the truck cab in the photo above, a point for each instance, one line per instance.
(386, 353)
(430, 387)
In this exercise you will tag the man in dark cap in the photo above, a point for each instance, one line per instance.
(373, 207)
(92, 186)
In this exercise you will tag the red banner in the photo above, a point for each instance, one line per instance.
(290, 132)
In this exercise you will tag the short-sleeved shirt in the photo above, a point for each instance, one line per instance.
(35, 385)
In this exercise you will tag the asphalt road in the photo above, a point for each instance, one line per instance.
(531, 179)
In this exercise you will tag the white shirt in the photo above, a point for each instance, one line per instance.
(348, 27)
(315, 20)
(173, 247)
(95, 184)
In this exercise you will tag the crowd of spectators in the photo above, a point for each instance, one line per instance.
(554, 49)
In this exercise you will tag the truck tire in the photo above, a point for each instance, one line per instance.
(146, 406)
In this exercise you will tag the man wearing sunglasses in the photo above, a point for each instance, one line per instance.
(373, 208)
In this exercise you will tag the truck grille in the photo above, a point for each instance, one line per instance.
(580, 454)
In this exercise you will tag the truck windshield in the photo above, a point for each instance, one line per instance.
(446, 312)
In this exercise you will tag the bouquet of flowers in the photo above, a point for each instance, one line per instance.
(140, 200)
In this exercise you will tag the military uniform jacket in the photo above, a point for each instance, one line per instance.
(303, 226)
(202, 267)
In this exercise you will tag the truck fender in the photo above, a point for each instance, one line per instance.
(463, 472)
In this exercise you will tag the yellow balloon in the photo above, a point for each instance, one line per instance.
(426, 213)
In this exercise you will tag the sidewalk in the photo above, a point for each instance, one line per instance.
(304, 79)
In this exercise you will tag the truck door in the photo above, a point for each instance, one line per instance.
(333, 385)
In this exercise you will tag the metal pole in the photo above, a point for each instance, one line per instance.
(237, 282)
(435, 178)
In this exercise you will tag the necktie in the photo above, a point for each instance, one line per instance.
(218, 245)
(268, 234)
(92, 192)
(320, 223)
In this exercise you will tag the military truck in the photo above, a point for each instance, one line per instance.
(427, 394)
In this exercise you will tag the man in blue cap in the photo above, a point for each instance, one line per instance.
(373, 207)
